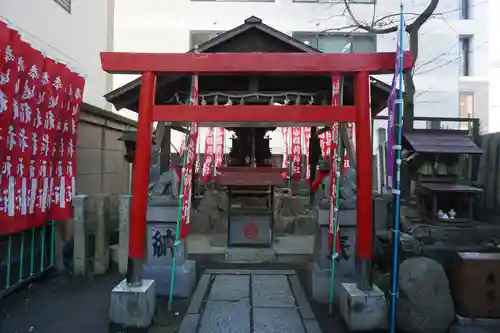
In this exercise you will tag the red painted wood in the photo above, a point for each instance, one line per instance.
(141, 167)
(263, 63)
(254, 113)
(364, 240)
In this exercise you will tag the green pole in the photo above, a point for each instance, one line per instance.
(42, 249)
(9, 253)
(52, 242)
(179, 213)
(21, 257)
(32, 252)
(336, 209)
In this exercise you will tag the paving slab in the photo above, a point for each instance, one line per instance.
(230, 288)
(226, 317)
(271, 291)
(244, 302)
(277, 320)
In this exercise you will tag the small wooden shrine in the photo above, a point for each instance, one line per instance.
(440, 165)
(249, 170)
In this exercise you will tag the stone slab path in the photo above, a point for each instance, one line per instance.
(249, 301)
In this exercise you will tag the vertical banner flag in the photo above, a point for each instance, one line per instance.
(391, 105)
(208, 156)
(188, 167)
(39, 110)
(296, 153)
(307, 137)
(334, 166)
(285, 132)
(219, 149)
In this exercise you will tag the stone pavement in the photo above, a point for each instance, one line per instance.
(249, 301)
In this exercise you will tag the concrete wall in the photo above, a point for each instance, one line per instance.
(489, 172)
(75, 37)
(100, 166)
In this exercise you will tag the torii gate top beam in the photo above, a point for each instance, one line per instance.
(254, 63)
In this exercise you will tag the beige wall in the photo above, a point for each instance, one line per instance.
(100, 166)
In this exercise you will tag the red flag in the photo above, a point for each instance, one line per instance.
(296, 153)
(9, 83)
(219, 149)
(208, 159)
(188, 169)
(286, 137)
(307, 137)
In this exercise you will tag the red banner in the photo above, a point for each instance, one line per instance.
(307, 137)
(334, 143)
(219, 148)
(39, 110)
(285, 132)
(187, 170)
(208, 159)
(296, 153)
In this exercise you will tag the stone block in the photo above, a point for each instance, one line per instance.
(133, 307)
(185, 278)
(304, 225)
(363, 310)
(124, 225)
(101, 206)
(80, 230)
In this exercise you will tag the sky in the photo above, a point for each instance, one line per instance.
(494, 48)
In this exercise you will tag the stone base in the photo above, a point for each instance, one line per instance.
(320, 280)
(363, 310)
(185, 278)
(133, 307)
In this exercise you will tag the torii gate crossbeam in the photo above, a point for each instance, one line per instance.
(358, 65)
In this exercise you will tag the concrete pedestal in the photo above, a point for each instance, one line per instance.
(321, 267)
(161, 228)
(133, 307)
(363, 310)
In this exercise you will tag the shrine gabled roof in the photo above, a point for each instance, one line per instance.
(127, 96)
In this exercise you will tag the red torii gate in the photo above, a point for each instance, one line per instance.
(148, 64)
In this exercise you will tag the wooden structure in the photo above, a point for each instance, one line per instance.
(276, 69)
(441, 173)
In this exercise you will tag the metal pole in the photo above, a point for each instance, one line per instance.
(141, 178)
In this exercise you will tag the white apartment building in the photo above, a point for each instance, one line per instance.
(70, 31)
(451, 74)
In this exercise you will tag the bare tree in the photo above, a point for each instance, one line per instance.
(389, 24)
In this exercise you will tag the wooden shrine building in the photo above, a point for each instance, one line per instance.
(251, 36)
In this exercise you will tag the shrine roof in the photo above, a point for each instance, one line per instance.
(127, 96)
(440, 142)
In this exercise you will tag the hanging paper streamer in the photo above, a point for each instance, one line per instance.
(296, 153)
(39, 110)
(307, 137)
(285, 133)
(188, 168)
(219, 149)
(208, 160)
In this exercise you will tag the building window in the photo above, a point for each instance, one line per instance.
(339, 43)
(465, 55)
(350, 1)
(466, 107)
(197, 38)
(66, 4)
(237, 0)
(464, 9)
